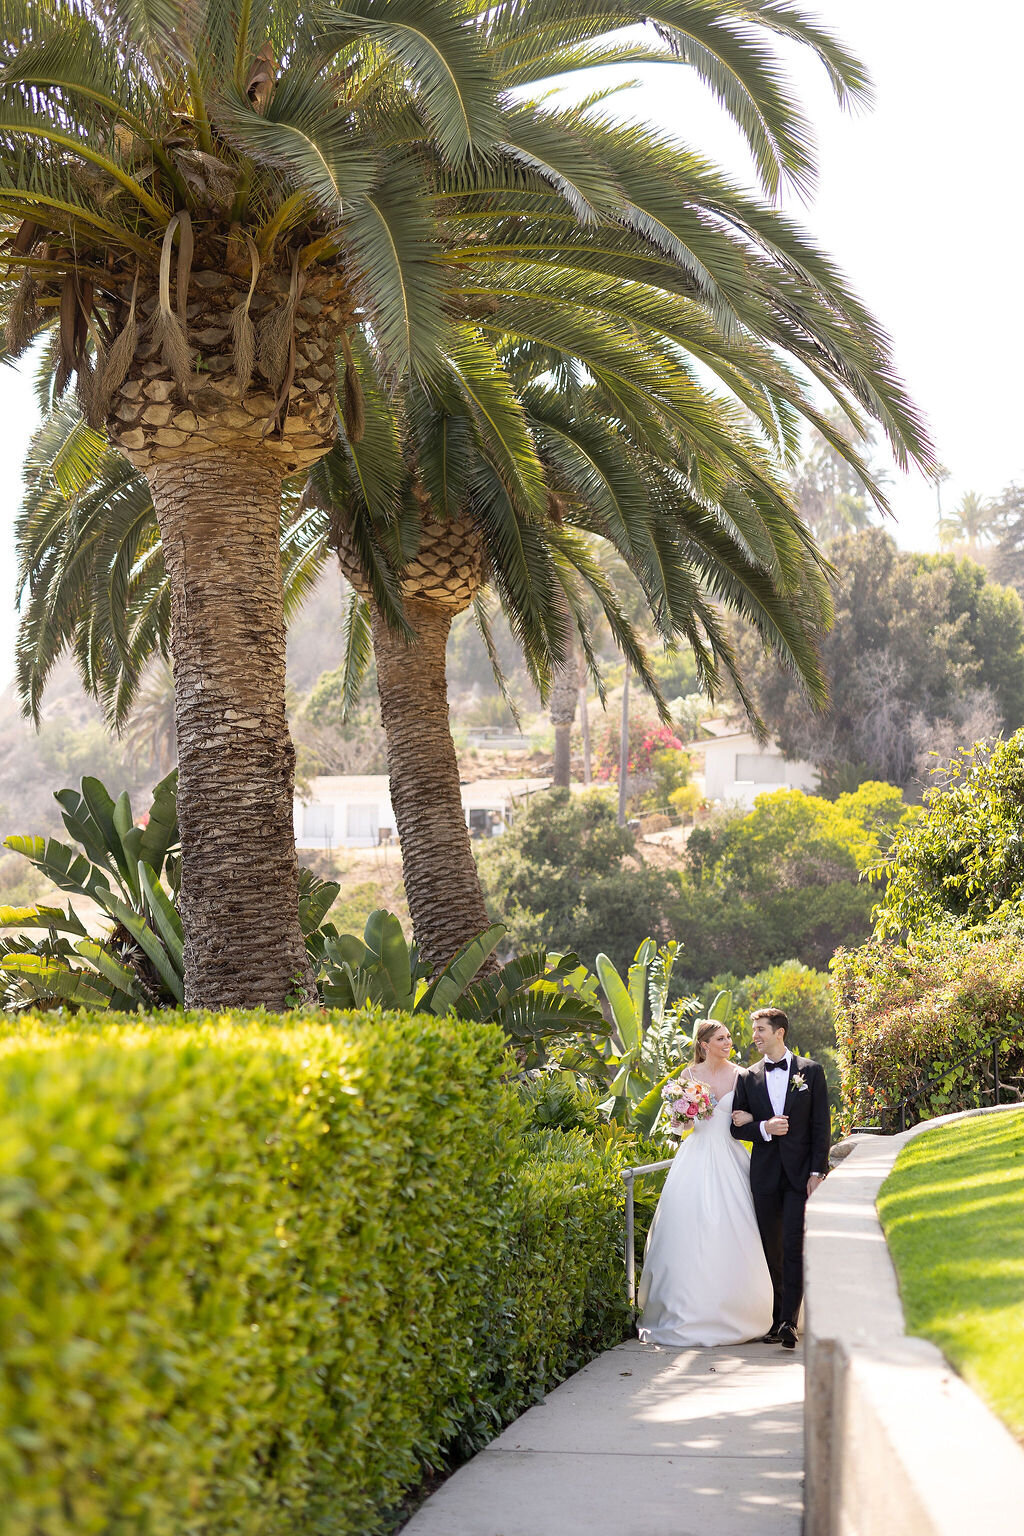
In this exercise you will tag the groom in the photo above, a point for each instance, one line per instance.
(789, 1135)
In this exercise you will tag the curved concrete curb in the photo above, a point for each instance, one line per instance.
(895, 1441)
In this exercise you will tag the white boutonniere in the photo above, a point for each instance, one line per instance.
(799, 1082)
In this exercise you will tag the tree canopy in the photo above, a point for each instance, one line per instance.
(925, 654)
(961, 861)
(566, 876)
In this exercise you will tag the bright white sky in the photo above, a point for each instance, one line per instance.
(918, 202)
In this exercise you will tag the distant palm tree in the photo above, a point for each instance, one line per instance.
(563, 701)
(151, 736)
(974, 521)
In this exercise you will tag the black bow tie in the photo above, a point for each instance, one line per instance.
(776, 1066)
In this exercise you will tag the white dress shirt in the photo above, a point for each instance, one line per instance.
(777, 1082)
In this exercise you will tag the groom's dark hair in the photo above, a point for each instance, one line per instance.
(776, 1018)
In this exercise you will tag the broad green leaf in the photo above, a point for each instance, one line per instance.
(96, 837)
(52, 978)
(461, 969)
(346, 949)
(395, 962)
(374, 932)
(148, 941)
(721, 1008)
(316, 897)
(165, 915)
(127, 992)
(637, 977)
(69, 870)
(124, 825)
(543, 1011)
(623, 1012)
(161, 831)
(483, 998)
(42, 917)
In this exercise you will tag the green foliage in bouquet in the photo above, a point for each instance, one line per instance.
(261, 1274)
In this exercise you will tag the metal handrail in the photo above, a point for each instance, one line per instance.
(978, 1055)
(628, 1175)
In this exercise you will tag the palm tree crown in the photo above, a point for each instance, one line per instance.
(203, 201)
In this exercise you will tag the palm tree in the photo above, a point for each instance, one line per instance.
(577, 250)
(563, 700)
(687, 560)
(973, 521)
(205, 225)
(151, 736)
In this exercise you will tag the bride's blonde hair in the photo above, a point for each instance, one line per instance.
(701, 1038)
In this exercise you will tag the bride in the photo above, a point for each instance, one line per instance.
(705, 1279)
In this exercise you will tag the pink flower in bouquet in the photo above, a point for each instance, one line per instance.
(686, 1102)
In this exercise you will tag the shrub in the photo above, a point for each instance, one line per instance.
(905, 1017)
(782, 880)
(257, 1274)
(723, 929)
(962, 860)
(560, 879)
(804, 993)
(563, 1299)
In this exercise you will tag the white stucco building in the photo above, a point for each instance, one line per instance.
(737, 768)
(354, 810)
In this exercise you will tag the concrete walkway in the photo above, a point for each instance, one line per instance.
(683, 1442)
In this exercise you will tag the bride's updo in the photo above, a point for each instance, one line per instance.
(700, 1040)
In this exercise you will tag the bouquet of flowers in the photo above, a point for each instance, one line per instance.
(686, 1102)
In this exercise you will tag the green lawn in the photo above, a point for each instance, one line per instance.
(953, 1212)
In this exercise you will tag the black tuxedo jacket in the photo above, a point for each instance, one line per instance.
(804, 1149)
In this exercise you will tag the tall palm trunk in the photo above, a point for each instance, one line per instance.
(441, 881)
(562, 709)
(624, 750)
(214, 443)
(219, 516)
(585, 724)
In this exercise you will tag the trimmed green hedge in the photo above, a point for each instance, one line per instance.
(256, 1275)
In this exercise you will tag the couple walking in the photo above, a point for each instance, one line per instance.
(725, 1253)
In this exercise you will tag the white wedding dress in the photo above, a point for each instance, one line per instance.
(705, 1279)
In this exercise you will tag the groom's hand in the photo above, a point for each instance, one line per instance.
(778, 1125)
(812, 1184)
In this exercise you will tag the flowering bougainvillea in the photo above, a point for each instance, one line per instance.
(646, 741)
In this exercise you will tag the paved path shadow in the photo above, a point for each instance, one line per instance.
(682, 1441)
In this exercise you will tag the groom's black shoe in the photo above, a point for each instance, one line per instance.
(773, 1335)
(787, 1335)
